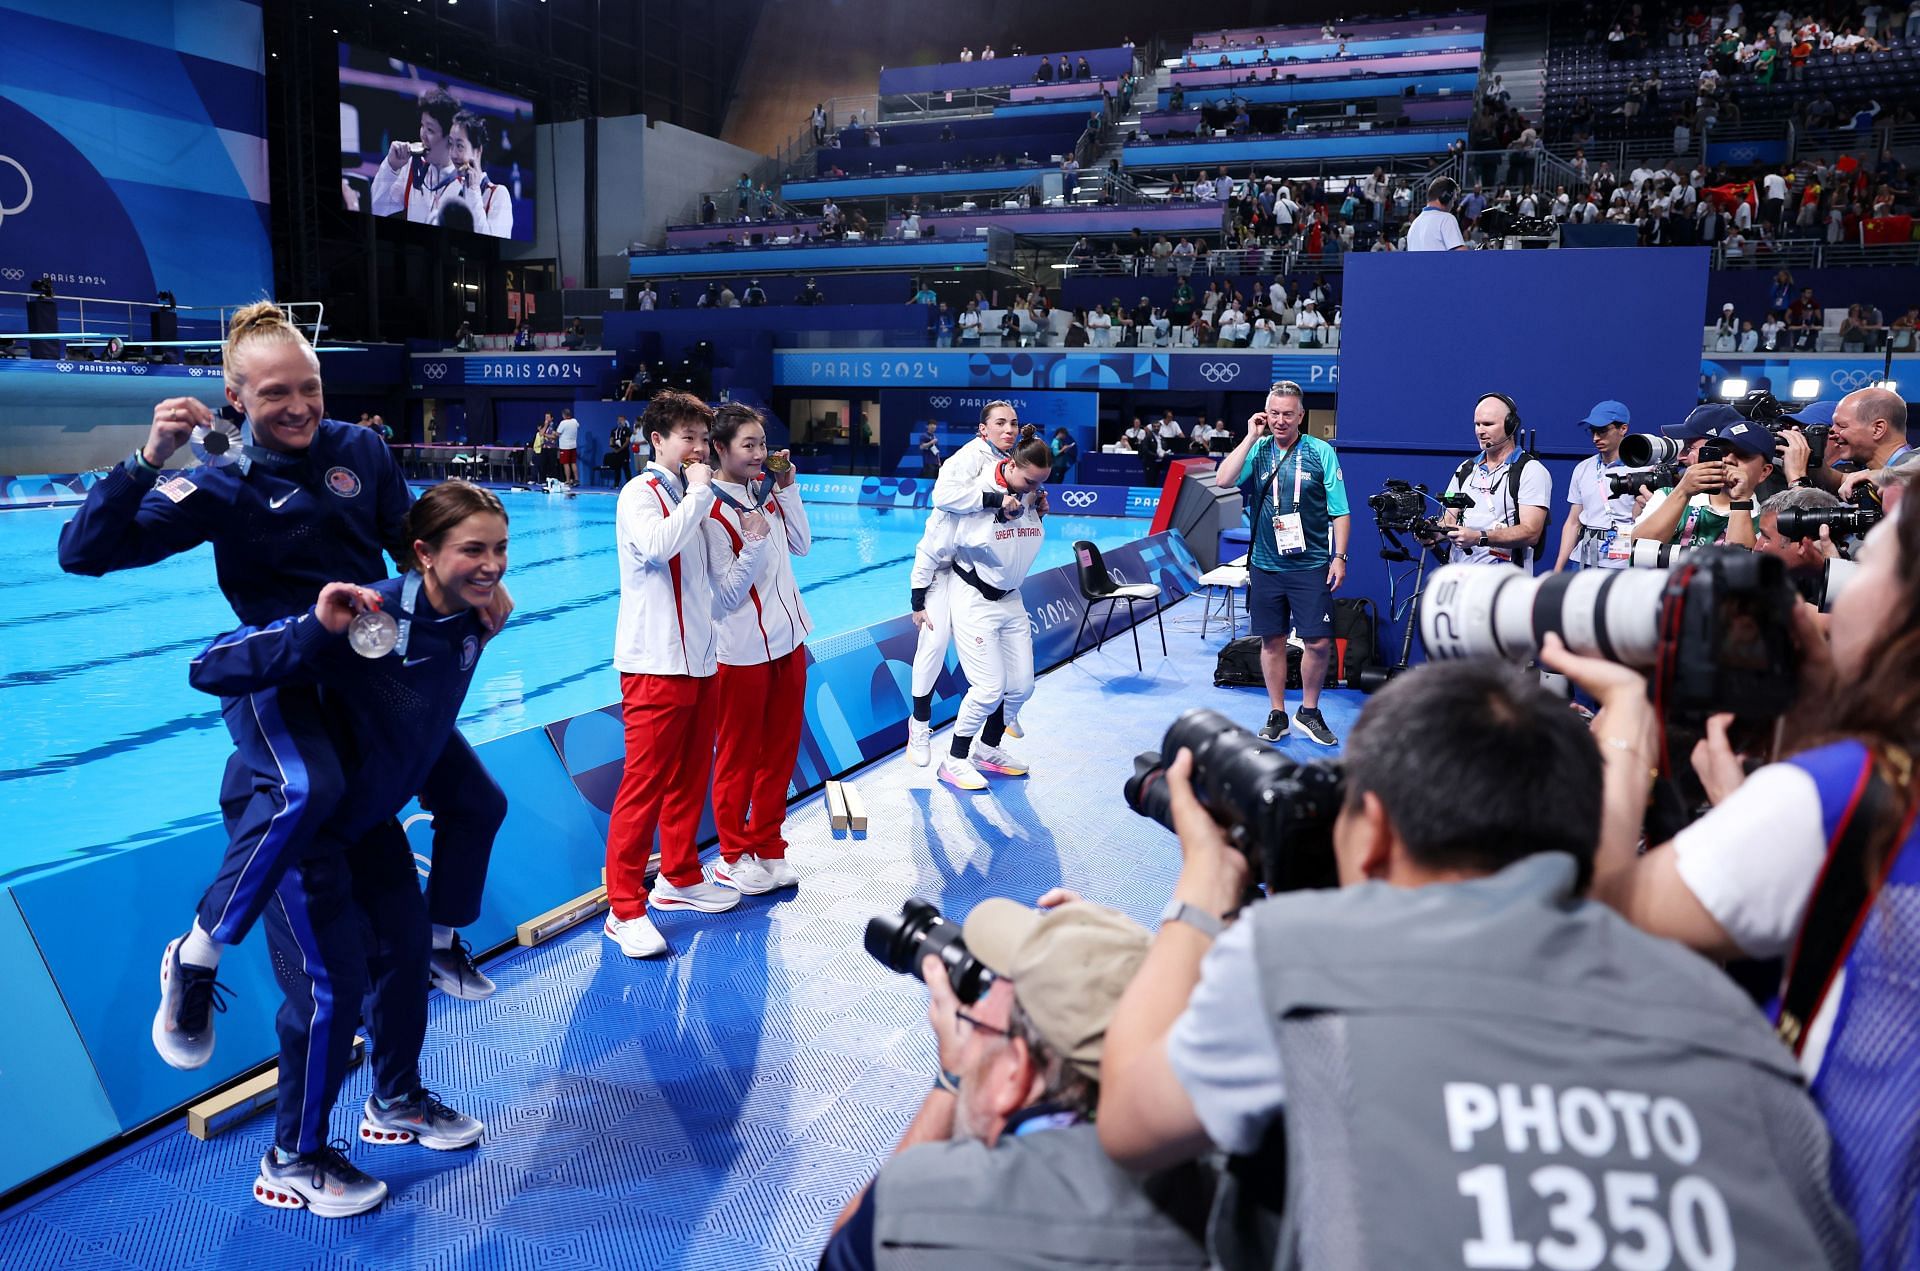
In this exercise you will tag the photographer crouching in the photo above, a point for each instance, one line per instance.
(1461, 1056)
(1001, 1166)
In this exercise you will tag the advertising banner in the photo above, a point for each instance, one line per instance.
(1237, 370)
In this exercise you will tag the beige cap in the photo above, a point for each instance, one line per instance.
(1068, 965)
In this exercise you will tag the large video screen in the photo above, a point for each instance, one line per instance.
(434, 149)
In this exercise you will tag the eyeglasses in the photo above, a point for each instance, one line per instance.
(982, 1025)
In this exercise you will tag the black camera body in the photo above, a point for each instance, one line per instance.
(1846, 521)
(1763, 408)
(1401, 508)
(1655, 478)
(1279, 813)
(900, 942)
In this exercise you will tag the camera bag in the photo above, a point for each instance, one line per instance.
(1356, 637)
(1239, 664)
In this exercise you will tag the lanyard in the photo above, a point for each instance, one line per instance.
(670, 485)
(409, 595)
(1273, 483)
(759, 499)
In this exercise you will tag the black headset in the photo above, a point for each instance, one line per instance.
(1513, 412)
(1443, 190)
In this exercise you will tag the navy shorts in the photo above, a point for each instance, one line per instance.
(1280, 602)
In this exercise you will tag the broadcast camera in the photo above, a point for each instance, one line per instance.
(1277, 812)
(1713, 629)
(900, 941)
(1401, 508)
(1763, 408)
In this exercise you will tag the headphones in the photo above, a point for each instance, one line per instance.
(1512, 422)
(1443, 190)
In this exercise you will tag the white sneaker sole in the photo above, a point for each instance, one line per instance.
(725, 879)
(1308, 734)
(650, 951)
(170, 1055)
(373, 1132)
(919, 755)
(655, 900)
(958, 784)
(465, 988)
(279, 1196)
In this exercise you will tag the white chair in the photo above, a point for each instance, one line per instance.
(1224, 582)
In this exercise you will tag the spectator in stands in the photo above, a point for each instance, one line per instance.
(646, 300)
(1043, 73)
(1082, 69)
(819, 121)
(709, 210)
(567, 437)
(943, 327)
(1069, 175)
(1143, 321)
(1066, 453)
(1436, 229)
(1749, 338)
(923, 293)
(969, 324)
(522, 336)
(756, 295)
(1010, 337)
(930, 450)
(1235, 330)
(727, 298)
(810, 294)
(966, 54)
(464, 341)
(1726, 332)
(1099, 328)
(986, 52)
(1162, 255)
(1062, 72)
(1183, 257)
(576, 336)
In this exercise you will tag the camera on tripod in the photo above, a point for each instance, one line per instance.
(1277, 812)
(1401, 508)
(1713, 629)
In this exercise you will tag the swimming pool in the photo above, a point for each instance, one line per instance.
(105, 745)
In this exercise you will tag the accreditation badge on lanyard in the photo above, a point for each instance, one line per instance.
(1289, 534)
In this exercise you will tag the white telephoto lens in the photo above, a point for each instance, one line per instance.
(1839, 574)
(1500, 611)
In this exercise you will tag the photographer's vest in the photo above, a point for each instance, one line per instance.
(1497, 1074)
(1865, 1048)
(1049, 1198)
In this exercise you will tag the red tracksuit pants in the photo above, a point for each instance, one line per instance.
(761, 707)
(669, 726)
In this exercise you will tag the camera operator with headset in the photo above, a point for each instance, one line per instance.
(1510, 489)
(1437, 228)
(1453, 1038)
(1814, 858)
(1298, 504)
(1712, 503)
(1002, 1166)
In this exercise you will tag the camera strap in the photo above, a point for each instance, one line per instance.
(1865, 844)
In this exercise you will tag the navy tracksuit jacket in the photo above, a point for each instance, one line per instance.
(280, 531)
(346, 922)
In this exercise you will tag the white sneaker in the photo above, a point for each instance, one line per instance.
(637, 937)
(961, 774)
(919, 742)
(1013, 729)
(746, 876)
(997, 759)
(709, 898)
(782, 874)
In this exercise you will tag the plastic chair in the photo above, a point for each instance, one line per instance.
(1097, 585)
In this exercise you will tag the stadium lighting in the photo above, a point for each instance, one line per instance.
(1805, 390)
(1892, 386)
(1732, 390)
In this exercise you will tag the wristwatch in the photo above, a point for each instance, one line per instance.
(1741, 505)
(1194, 916)
(1340, 556)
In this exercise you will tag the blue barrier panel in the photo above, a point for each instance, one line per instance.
(1358, 144)
(446, 370)
(912, 183)
(1280, 54)
(822, 256)
(18, 366)
(1333, 89)
(50, 1099)
(942, 76)
(1044, 368)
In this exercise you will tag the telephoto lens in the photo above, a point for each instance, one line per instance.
(1664, 476)
(1714, 626)
(1643, 450)
(900, 942)
(1843, 522)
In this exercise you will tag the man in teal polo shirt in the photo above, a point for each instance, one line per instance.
(1294, 493)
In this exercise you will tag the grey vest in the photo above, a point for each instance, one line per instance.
(1046, 1199)
(1499, 1074)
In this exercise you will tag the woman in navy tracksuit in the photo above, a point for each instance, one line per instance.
(347, 922)
(307, 502)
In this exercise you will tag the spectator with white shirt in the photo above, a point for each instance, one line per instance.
(1436, 229)
(1309, 327)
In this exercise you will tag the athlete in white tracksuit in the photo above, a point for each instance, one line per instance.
(991, 557)
(959, 494)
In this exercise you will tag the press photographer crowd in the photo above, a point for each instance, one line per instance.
(1593, 946)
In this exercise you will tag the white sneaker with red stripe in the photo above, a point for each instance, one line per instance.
(746, 876)
(710, 898)
(325, 1183)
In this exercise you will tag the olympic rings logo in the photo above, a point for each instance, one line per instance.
(1850, 380)
(939, 403)
(434, 370)
(63, 366)
(1078, 498)
(13, 275)
(26, 199)
(196, 370)
(1219, 372)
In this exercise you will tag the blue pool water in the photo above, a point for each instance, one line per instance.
(105, 746)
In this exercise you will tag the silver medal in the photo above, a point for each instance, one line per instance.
(217, 444)
(373, 634)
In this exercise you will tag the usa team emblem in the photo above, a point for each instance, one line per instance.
(343, 482)
(469, 653)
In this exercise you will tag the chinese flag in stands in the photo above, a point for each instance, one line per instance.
(1726, 197)
(1887, 229)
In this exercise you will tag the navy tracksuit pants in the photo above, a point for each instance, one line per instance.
(347, 931)
(284, 781)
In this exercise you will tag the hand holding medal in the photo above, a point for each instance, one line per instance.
(344, 607)
(780, 464)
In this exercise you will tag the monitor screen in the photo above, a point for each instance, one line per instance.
(434, 149)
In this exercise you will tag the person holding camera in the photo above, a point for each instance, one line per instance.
(1599, 528)
(1510, 489)
(1869, 431)
(1454, 1037)
(1806, 558)
(1814, 858)
(1297, 501)
(1002, 1166)
(1712, 503)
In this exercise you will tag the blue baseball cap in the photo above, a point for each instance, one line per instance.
(1703, 421)
(1748, 439)
(1815, 413)
(1607, 413)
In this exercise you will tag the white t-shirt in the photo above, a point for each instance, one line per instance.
(569, 434)
(1434, 230)
(1493, 505)
(1774, 186)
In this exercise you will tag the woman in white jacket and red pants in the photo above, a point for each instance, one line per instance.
(756, 528)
